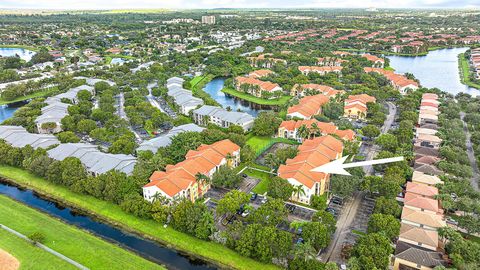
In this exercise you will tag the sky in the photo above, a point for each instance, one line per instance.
(195, 4)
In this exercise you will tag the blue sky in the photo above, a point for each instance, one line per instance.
(192, 4)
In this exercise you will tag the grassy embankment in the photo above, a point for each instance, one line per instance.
(113, 214)
(197, 84)
(29, 256)
(36, 94)
(464, 68)
(261, 101)
(68, 240)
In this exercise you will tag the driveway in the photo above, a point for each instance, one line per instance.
(357, 210)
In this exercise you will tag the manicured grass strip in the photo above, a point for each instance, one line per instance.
(111, 212)
(68, 240)
(261, 144)
(261, 101)
(465, 73)
(30, 256)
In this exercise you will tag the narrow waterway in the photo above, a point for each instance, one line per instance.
(7, 111)
(214, 89)
(150, 250)
(438, 69)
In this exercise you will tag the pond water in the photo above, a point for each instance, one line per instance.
(22, 53)
(438, 69)
(214, 89)
(150, 250)
(7, 111)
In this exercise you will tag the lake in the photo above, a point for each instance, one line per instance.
(22, 53)
(214, 89)
(438, 69)
(6, 111)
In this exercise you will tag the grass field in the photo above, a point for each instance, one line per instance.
(264, 177)
(112, 213)
(261, 101)
(30, 256)
(70, 241)
(261, 144)
(464, 68)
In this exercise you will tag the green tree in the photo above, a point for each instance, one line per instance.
(279, 188)
(387, 142)
(231, 202)
(270, 214)
(317, 234)
(370, 131)
(266, 124)
(68, 137)
(373, 251)
(226, 177)
(386, 224)
(387, 206)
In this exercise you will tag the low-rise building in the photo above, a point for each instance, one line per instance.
(182, 179)
(19, 137)
(311, 154)
(377, 61)
(322, 70)
(409, 256)
(221, 117)
(290, 130)
(166, 139)
(356, 106)
(182, 98)
(309, 89)
(94, 161)
(265, 61)
(256, 87)
(399, 82)
(308, 107)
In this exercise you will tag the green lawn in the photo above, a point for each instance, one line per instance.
(70, 241)
(261, 101)
(109, 57)
(261, 144)
(33, 95)
(111, 212)
(30, 256)
(264, 177)
(465, 71)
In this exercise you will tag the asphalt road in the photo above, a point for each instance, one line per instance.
(471, 156)
(351, 209)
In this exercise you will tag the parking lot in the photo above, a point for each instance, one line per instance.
(360, 222)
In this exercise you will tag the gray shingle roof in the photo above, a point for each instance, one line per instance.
(94, 161)
(238, 118)
(166, 139)
(93, 81)
(20, 137)
(182, 97)
(418, 255)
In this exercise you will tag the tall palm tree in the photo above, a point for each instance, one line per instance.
(229, 158)
(202, 179)
(303, 132)
(304, 251)
(298, 191)
(315, 130)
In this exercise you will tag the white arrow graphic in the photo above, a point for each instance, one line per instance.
(338, 167)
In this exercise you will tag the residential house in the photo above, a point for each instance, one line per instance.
(423, 204)
(307, 107)
(183, 180)
(427, 140)
(426, 220)
(418, 236)
(260, 73)
(330, 61)
(221, 117)
(265, 61)
(311, 154)
(410, 256)
(422, 190)
(399, 82)
(422, 178)
(50, 119)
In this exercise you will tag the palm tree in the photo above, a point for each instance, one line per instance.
(315, 130)
(298, 191)
(158, 197)
(304, 250)
(202, 179)
(303, 132)
(229, 158)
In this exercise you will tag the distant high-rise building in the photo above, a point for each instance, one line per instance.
(208, 19)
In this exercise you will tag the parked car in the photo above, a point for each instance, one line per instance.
(264, 200)
(245, 213)
(452, 221)
(331, 211)
(336, 200)
(253, 196)
(299, 241)
(244, 175)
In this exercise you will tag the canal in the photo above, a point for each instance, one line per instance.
(438, 69)
(7, 111)
(214, 89)
(148, 249)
